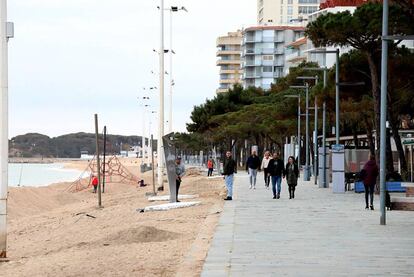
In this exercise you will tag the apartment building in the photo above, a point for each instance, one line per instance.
(285, 12)
(229, 54)
(263, 53)
(295, 53)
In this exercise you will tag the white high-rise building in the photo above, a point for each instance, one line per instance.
(263, 53)
(282, 12)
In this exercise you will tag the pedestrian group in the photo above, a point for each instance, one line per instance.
(274, 170)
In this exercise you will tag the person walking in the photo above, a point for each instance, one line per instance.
(276, 170)
(95, 182)
(264, 167)
(252, 165)
(210, 167)
(369, 176)
(229, 168)
(179, 171)
(292, 175)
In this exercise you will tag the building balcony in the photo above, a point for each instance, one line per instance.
(228, 62)
(229, 81)
(228, 52)
(231, 71)
(295, 57)
(251, 75)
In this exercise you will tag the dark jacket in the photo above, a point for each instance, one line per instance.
(276, 167)
(370, 173)
(229, 166)
(291, 181)
(253, 162)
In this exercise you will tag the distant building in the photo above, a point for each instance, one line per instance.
(228, 53)
(328, 60)
(295, 53)
(263, 53)
(285, 12)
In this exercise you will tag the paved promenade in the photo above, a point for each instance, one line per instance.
(316, 234)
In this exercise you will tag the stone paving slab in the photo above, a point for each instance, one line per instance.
(316, 234)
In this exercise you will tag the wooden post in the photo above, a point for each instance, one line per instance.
(97, 162)
(104, 154)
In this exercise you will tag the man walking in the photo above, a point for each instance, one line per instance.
(229, 168)
(179, 171)
(276, 169)
(252, 164)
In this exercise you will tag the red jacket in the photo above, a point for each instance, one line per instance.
(370, 173)
(94, 181)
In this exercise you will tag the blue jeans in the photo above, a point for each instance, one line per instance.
(276, 180)
(228, 179)
(252, 175)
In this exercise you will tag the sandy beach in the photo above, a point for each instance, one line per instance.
(53, 232)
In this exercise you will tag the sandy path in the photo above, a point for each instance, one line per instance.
(50, 233)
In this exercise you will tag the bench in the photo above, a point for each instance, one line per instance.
(391, 187)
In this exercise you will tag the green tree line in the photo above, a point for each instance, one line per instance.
(266, 118)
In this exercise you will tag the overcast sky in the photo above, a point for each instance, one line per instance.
(71, 59)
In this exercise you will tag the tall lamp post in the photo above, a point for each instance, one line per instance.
(384, 85)
(315, 140)
(306, 175)
(172, 9)
(299, 115)
(143, 144)
(324, 69)
(160, 147)
(336, 52)
(149, 138)
(6, 32)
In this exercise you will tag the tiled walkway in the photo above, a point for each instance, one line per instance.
(316, 234)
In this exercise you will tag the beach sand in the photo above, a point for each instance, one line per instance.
(52, 232)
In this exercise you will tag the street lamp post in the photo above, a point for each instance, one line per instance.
(324, 69)
(160, 147)
(336, 52)
(143, 143)
(299, 115)
(306, 174)
(315, 140)
(150, 140)
(172, 9)
(6, 32)
(384, 84)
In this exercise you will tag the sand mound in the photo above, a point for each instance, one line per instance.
(142, 234)
(192, 171)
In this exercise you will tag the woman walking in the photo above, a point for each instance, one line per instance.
(264, 167)
(369, 177)
(292, 175)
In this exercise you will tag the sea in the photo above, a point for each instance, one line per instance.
(39, 175)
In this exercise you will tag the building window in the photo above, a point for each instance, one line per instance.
(267, 69)
(289, 19)
(281, 10)
(290, 10)
(290, 2)
(307, 9)
(268, 57)
(308, 1)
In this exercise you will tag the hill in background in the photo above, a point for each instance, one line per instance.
(68, 146)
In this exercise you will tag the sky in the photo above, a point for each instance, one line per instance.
(70, 59)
